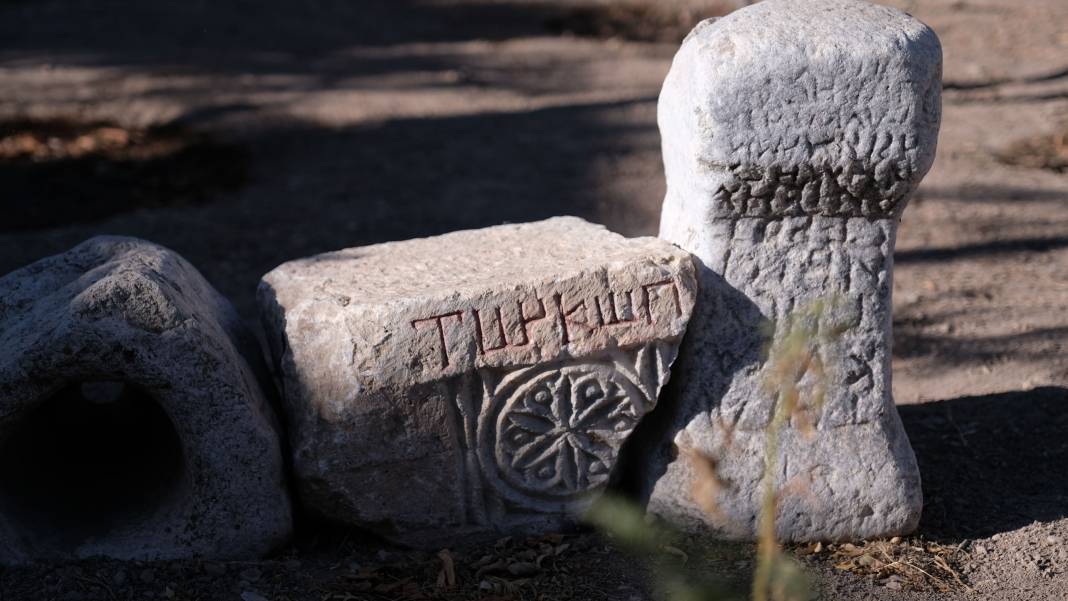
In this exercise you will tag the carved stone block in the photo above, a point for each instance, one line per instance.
(133, 423)
(476, 382)
(793, 134)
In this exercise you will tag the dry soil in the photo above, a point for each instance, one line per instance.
(244, 134)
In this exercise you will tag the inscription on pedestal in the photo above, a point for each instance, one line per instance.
(787, 188)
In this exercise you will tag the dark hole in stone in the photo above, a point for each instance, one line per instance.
(60, 171)
(97, 459)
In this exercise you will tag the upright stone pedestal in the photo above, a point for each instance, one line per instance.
(793, 134)
(133, 423)
(474, 383)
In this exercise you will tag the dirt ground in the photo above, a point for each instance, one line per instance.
(245, 134)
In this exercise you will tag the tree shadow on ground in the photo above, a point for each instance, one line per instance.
(58, 172)
(224, 36)
(981, 250)
(313, 189)
(991, 463)
(281, 37)
(911, 341)
(237, 57)
(995, 194)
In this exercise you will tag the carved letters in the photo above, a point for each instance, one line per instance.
(437, 319)
(510, 324)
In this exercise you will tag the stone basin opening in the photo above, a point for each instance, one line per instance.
(98, 461)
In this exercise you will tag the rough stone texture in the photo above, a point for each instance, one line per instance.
(477, 382)
(132, 420)
(793, 134)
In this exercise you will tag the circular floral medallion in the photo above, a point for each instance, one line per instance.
(557, 431)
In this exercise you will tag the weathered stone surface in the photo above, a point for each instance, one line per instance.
(475, 382)
(793, 134)
(132, 421)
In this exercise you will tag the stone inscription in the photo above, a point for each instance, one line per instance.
(510, 324)
(845, 190)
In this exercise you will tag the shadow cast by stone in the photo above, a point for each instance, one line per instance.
(991, 463)
(731, 314)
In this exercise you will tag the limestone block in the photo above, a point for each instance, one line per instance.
(793, 134)
(132, 419)
(477, 382)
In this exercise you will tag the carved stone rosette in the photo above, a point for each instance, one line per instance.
(548, 436)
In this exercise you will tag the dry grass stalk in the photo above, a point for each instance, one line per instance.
(905, 563)
(706, 482)
(795, 376)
